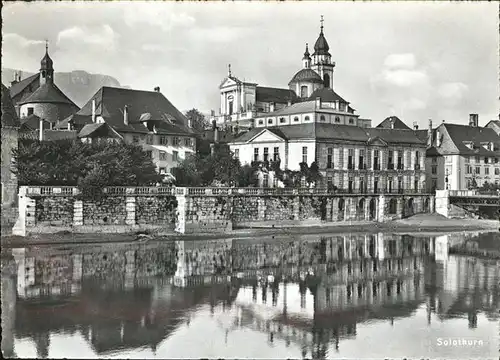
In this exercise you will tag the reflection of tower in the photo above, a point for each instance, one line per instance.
(472, 317)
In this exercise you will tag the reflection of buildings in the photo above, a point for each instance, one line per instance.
(8, 310)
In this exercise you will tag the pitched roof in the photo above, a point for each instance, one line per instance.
(398, 123)
(462, 134)
(270, 94)
(421, 134)
(75, 119)
(335, 132)
(32, 122)
(297, 108)
(98, 129)
(9, 115)
(110, 104)
(326, 95)
(18, 87)
(48, 93)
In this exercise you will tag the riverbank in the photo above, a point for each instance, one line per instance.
(424, 225)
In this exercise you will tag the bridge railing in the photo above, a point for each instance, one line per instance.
(68, 191)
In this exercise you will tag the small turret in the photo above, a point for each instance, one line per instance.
(306, 60)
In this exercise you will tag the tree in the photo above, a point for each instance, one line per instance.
(73, 163)
(198, 120)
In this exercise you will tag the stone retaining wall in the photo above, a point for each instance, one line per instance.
(196, 210)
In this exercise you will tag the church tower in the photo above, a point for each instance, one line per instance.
(306, 60)
(322, 60)
(46, 68)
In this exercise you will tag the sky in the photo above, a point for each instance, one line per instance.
(417, 61)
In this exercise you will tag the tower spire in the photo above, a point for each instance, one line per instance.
(321, 21)
(229, 68)
(46, 46)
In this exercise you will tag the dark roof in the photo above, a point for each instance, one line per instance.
(75, 119)
(98, 130)
(462, 134)
(110, 104)
(432, 151)
(421, 134)
(336, 132)
(224, 136)
(306, 75)
(326, 95)
(32, 122)
(48, 93)
(9, 115)
(18, 87)
(269, 94)
(46, 62)
(321, 46)
(398, 123)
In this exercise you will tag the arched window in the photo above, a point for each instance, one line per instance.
(337, 119)
(261, 122)
(230, 105)
(322, 118)
(326, 80)
(303, 91)
(282, 120)
(296, 119)
(269, 121)
(306, 118)
(351, 121)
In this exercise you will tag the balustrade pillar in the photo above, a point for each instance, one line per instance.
(78, 213)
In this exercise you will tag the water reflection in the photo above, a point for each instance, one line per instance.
(309, 296)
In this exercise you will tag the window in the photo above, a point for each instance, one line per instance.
(497, 171)
(447, 159)
(478, 170)
(261, 122)
(322, 118)
(296, 119)
(237, 153)
(276, 154)
(266, 154)
(477, 159)
(149, 139)
(337, 119)
(434, 184)
(434, 160)
(329, 182)
(265, 180)
(187, 142)
(163, 170)
(163, 155)
(329, 158)
(467, 159)
(135, 138)
(350, 185)
(390, 164)
(175, 155)
(408, 160)
(351, 121)
(150, 154)
(361, 159)
(434, 169)
(469, 169)
(350, 159)
(163, 140)
(400, 184)
(30, 111)
(389, 185)
(415, 185)
(400, 160)
(486, 171)
(269, 121)
(375, 185)
(376, 155)
(304, 154)
(486, 160)
(362, 184)
(256, 154)
(282, 120)
(496, 160)
(306, 118)
(303, 91)
(176, 141)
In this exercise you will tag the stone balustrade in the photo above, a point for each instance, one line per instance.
(203, 210)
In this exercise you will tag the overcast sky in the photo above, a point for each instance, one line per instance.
(413, 60)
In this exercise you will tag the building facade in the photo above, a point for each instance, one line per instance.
(146, 118)
(461, 157)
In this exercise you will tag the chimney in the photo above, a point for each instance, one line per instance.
(415, 125)
(318, 103)
(474, 120)
(271, 107)
(93, 110)
(289, 102)
(391, 120)
(40, 130)
(157, 89)
(429, 134)
(190, 124)
(15, 79)
(125, 115)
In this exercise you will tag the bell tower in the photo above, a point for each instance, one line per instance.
(322, 59)
(46, 67)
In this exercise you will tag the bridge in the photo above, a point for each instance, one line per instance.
(451, 203)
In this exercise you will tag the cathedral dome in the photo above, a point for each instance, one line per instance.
(306, 75)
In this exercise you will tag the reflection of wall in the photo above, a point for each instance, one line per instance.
(8, 314)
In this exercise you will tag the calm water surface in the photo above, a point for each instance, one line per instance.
(342, 296)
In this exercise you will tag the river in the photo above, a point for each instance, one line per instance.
(306, 296)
